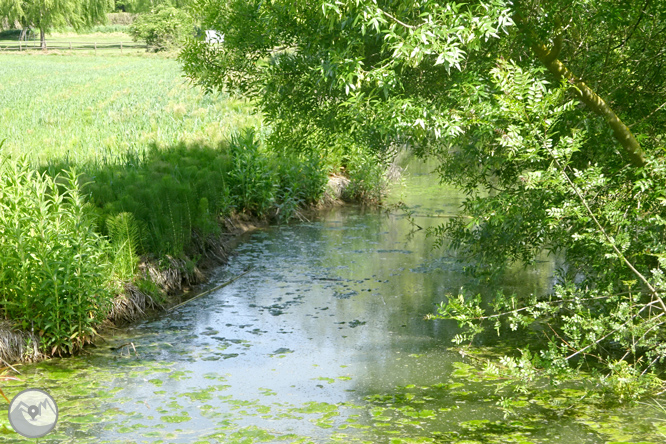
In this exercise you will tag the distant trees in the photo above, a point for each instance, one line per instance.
(141, 6)
(163, 27)
(46, 15)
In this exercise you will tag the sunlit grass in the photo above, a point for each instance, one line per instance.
(91, 109)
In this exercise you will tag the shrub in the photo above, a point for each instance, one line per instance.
(251, 179)
(301, 181)
(54, 269)
(163, 28)
(367, 174)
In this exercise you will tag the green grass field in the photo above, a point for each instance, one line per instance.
(87, 109)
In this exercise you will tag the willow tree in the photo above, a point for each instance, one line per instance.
(145, 6)
(548, 113)
(46, 15)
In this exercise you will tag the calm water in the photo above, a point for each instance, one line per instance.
(322, 341)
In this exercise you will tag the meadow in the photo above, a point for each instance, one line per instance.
(110, 160)
(92, 109)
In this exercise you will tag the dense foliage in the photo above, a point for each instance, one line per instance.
(178, 193)
(548, 113)
(54, 269)
(159, 167)
(144, 6)
(162, 28)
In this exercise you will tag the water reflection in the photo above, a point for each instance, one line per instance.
(323, 340)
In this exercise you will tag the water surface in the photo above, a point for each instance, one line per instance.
(322, 341)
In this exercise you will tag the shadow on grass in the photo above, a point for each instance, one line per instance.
(183, 190)
(10, 34)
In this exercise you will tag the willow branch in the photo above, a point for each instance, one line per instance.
(397, 21)
(649, 115)
(610, 240)
(549, 58)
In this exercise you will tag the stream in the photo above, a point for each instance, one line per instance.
(324, 340)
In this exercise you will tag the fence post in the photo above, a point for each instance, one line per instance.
(20, 46)
(70, 46)
(95, 48)
(121, 47)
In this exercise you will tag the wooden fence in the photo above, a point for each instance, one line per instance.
(70, 46)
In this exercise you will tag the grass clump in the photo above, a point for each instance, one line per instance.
(54, 268)
(172, 193)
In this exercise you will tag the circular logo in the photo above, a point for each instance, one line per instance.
(33, 413)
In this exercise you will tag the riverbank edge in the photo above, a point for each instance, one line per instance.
(179, 281)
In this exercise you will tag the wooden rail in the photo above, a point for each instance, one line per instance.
(70, 46)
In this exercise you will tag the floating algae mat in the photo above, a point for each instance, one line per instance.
(322, 341)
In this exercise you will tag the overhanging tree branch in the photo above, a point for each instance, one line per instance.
(655, 296)
(549, 58)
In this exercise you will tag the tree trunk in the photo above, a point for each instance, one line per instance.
(549, 58)
(42, 38)
(24, 32)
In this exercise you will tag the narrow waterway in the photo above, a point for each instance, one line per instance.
(322, 341)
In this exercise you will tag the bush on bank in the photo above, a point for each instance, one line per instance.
(55, 274)
(162, 28)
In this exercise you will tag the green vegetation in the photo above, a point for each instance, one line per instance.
(549, 114)
(443, 412)
(146, 6)
(158, 164)
(163, 28)
(125, 104)
(54, 268)
(47, 16)
(179, 192)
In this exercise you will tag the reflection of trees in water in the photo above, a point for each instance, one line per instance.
(359, 265)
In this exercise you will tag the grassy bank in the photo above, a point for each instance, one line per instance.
(113, 162)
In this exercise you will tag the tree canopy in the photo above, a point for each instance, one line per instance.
(142, 6)
(548, 113)
(46, 14)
